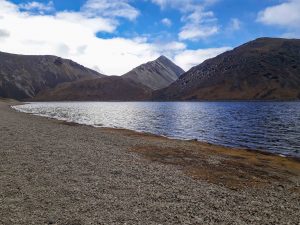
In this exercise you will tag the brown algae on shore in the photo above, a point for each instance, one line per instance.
(233, 168)
(224, 166)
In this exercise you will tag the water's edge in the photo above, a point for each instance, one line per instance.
(264, 152)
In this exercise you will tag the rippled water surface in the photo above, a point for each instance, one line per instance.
(270, 126)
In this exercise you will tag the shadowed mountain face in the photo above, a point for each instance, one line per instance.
(157, 74)
(267, 68)
(23, 76)
(110, 88)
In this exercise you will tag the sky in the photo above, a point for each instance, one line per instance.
(114, 36)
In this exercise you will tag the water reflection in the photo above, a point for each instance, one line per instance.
(272, 126)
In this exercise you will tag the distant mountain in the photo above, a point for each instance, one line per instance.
(24, 76)
(266, 68)
(110, 88)
(156, 74)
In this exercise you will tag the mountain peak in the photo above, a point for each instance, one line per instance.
(156, 74)
(162, 58)
(165, 60)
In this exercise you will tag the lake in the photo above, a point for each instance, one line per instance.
(268, 126)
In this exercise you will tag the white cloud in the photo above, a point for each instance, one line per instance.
(7, 7)
(190, 58)
(108, 8)
(199, 23)
(183, 5)
(235, 24)
(286, 15)
(75, 19)
(38, 7)
(189, 32)
(3, 34)
(73, 35)
(167, 22)
(65, 33)
(175, 46)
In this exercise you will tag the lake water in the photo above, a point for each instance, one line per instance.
(269, 126)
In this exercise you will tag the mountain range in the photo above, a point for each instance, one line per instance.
(136, 85)
(263, 69)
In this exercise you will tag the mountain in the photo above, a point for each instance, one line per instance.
(157, 74)
(136, 85)
(110, 88)
(23, 76)
(263, 69)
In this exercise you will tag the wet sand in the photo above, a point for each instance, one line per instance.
(54, 172)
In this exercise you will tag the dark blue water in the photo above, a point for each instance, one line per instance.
(268, 126)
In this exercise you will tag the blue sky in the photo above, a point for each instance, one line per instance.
(115, 36)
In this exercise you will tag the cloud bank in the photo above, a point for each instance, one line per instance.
(37, 29)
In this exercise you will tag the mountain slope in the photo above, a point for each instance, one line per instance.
(110, 88)
(156, 74)
(24, 76)
(266, 68)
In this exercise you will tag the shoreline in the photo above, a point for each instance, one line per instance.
(226, 150)
(187, 101)
(56, 172)
(264, 152)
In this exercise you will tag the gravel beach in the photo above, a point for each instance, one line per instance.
(54, 172)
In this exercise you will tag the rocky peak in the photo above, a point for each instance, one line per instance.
(156, 74)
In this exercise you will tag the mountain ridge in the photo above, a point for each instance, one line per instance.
(109, 88)
(262, 69)
(156, 74)
(23, 76)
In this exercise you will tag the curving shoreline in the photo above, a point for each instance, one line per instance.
(156, 135)
(54, 171)
(241, 125)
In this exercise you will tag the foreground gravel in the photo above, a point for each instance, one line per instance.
(58, 173)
